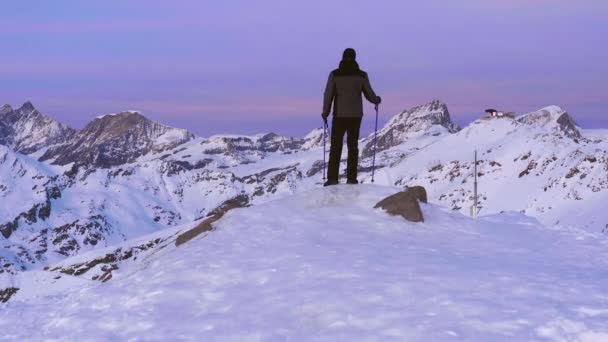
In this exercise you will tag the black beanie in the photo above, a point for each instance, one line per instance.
(349, 54)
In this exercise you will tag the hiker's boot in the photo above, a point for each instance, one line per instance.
(330, 182)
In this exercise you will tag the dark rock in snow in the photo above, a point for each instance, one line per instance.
(7, 293)
(214, 215)
(405, 204)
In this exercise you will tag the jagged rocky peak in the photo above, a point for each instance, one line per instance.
(115, 139)
(552, 117)
(27, 106)
(27, 130)
(433, 116)
(423, 117)
(132, 127)
(5, 109)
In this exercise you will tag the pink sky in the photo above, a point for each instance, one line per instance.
(244, 67)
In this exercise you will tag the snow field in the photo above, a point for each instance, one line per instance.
(323, 265)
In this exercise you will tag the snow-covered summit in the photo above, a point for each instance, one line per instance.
(422, 117)
(552, 117)
(117, 139)
(27, 130)
(433, 118)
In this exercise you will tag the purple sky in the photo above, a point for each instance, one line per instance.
(258, 66)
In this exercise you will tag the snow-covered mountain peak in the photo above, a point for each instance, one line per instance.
(117, 139)
(118, 124)
(433, 118)
(552, 117)
(27, 130)
(422, 117)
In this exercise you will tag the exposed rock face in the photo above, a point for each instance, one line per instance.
(419, 192)
(6, 109)
(242, 148)
(214, 215)
(26, 130)
(116, 139)
(552, 117)
(40, 211)
(6, 294)
(101, 268)
(421, 118)
(405, 204)
(240, 201)
(568, 126)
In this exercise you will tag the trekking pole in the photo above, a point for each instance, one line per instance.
(324, 150)
(375, 138)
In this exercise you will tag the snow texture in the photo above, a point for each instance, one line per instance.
(323, 265)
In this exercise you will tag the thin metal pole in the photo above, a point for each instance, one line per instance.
(324, 148)
(375, 139)
(475, 207)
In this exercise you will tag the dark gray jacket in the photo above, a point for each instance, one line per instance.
(344, 88)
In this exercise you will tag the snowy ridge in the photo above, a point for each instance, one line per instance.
(125, 176)
(332, 268)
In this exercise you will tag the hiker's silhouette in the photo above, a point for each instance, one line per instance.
(344, 88)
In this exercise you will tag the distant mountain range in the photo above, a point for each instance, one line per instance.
(65, 191)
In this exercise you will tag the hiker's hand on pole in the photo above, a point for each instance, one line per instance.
(324, 116)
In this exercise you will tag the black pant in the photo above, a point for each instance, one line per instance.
(351, 127)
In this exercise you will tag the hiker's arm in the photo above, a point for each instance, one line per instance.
(329, 94)
(369, 92)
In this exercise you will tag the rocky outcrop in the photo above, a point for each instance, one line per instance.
(214, 215)
(101, 268)
(6, 294)
(39, 211)
(405, 204)
(69, 238)
(419, 192)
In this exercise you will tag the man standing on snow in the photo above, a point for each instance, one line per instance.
(344, 88)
